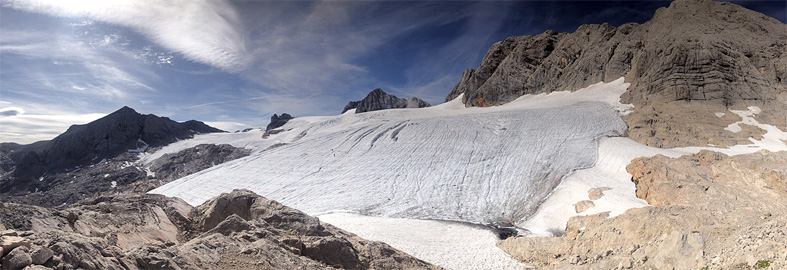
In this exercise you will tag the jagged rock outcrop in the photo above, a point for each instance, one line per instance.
(176, 165)
(693, 51)
(350, 106)
(278, 121)
(709, 210)
(380, 100)
(237, 230)
(119, 132)
(121, 174)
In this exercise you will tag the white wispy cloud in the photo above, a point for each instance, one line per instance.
(28, 128)
(207, 32)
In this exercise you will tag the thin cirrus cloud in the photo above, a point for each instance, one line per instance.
(18, 126)
(208, 33)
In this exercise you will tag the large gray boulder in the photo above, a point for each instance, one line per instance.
(17, 259)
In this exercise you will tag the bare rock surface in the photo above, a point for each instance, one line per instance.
(237, 230)
(278, 121)
(705, 54)
(380, 100)
(709, 210)
(176, 165)
(121, 174)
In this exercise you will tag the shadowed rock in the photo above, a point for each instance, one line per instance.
(380, 100)
(278, 121)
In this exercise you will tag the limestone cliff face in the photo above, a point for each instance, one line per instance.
(701, 52)
(693, 50)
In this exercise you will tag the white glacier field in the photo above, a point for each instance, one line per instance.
(479, 165)
(393, 175)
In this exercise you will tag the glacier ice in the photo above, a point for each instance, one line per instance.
(480, 165)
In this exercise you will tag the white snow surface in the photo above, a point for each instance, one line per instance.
(452, 245)
(447, 162)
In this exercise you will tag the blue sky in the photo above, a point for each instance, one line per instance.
(233, 64)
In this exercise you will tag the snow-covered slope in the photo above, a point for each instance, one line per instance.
(481, 165)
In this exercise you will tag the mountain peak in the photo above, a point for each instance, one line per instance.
(125, 110)
(378, 99)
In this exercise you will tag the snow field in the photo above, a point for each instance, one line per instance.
(450, 244)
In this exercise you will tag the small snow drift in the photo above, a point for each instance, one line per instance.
(482, 165)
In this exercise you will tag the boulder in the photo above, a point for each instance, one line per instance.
(17, 259)
(581, 206)
(8, 243)
(41, 255)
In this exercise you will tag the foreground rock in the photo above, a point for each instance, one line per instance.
(380, 100)
(239, 230)
(710, 210)
(703, 54)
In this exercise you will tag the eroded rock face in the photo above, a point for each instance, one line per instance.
(380, 100)
(121, 174)
(710, 210)
(238, 230)
(278, 121)
(176, 165)
(699, 52)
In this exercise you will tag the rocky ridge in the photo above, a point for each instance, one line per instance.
(237, 230)
(278, 121)
(120, 174)
(711, 55)
(710, 211)
(380, 100)
(120, 132)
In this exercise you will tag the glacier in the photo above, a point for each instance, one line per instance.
(481, 165)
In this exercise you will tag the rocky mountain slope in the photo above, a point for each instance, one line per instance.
(120, 174)
(52, 166)
(689, 61)
(380, 100)
(710, 211)
(122, 131)
(237, 230)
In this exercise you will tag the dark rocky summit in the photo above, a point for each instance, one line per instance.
(278, 121)
(120, 132)
(350, 106)
(380, 100)
(715, 53)
(237, 230)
